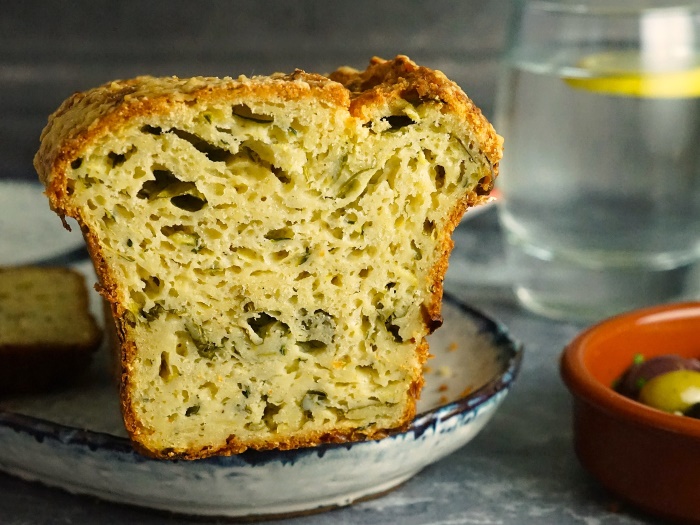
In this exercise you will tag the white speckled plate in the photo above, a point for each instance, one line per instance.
(75, 440)
(31, 232)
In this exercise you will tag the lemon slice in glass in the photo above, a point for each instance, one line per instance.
(624, 74)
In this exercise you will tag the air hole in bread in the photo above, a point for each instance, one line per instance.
(245, 112)
(123, 213)
(151, 130)
(418, 253)
(313, 346)
(269, 413)
(393, 328)
(261, 154)
(164, 370)
(485, 185)
(397, 122)
(247, 254)
(212, 233)
(211, 387)
(192, 410)
(439, 177)
(213, 153)
(151, 284)
(281, 234)
(263, 324)
(188, 202)
(165, 185)
(280, 255)
(117, 159)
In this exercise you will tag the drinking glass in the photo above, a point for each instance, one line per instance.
(599, 105)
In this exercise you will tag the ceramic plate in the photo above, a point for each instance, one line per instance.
(31, 232)
(75, 440)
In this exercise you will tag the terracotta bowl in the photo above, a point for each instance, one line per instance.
(647, 457)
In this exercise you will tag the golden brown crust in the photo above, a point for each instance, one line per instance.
(385, 82)
(383, 86)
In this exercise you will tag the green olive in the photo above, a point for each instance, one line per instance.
(674, 391)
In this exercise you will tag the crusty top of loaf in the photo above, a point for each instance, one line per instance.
(88, 115)
(385, 82)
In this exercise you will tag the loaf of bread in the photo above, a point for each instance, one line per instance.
(273, 248)
(47, 335)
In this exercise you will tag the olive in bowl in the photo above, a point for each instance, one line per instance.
(648, 456)
(667, 382)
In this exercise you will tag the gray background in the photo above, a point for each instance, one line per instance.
(50, 49)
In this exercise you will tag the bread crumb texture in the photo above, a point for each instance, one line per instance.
(47, 335)
(272, 247)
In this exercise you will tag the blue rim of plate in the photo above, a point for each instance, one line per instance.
(511, 356)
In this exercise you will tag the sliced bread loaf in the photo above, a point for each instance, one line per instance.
(272, 248)
(47, 335)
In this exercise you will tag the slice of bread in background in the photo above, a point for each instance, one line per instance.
(47, 334)
(272, 248)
